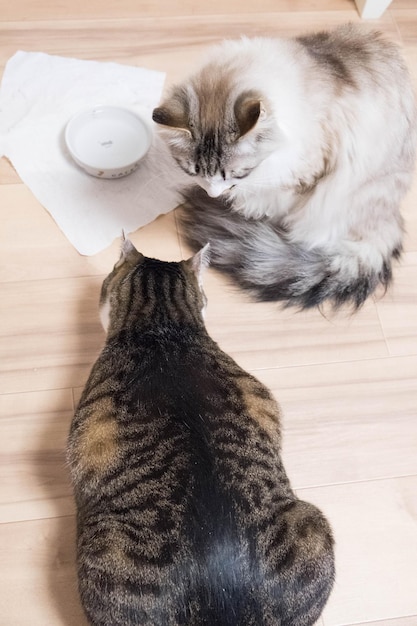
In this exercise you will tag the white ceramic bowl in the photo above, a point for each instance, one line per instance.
(108, 141)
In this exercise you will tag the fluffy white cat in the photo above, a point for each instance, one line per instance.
(302, 150)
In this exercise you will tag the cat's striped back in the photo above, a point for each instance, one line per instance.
(185, 513)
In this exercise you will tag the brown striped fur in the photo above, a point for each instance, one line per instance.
(185, 513)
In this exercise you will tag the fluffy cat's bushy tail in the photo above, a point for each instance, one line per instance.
(257, 255)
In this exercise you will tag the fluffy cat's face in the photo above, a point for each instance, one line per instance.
(216, 169)
(217, 137)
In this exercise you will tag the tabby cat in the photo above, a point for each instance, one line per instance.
(185, 513)
(302, 150)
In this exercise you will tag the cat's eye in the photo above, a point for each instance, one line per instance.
(241, 173)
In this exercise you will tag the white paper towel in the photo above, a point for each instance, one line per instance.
(38, 94)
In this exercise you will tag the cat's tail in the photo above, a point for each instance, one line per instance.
(259, 257)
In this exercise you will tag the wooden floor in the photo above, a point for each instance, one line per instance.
(347, 385)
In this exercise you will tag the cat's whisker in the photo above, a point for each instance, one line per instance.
(151, 180)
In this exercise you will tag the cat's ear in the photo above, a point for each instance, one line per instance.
(248, 111)
(200, 261)
(128, 252)
(172, 115)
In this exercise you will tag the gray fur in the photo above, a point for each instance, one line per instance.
(259, 257)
